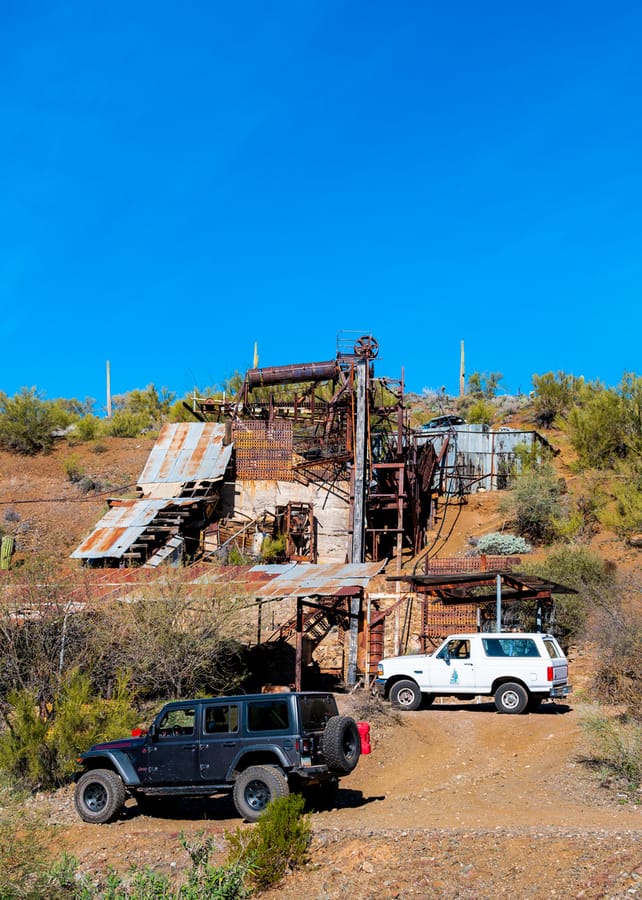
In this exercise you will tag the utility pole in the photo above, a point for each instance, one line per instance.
(462, 372)
(108, 391)
(357, 552)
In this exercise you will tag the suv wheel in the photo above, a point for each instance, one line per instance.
(256, 787)
(511, 698)
(99, 796)
(405, 695)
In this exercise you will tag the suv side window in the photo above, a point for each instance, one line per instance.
(176, 722)
(515, 647)
(457, 649)
(273, 716)
(221, 719)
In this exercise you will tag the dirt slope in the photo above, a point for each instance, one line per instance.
(454, 801)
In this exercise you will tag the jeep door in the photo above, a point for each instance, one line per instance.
(173, 754)
(452, 669)
(220, 740)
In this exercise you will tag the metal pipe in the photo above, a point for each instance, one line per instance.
(498, 613)
(271, 375)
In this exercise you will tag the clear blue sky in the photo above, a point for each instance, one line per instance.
(180, 180)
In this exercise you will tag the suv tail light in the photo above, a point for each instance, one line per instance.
(549, 673)
(304, 746)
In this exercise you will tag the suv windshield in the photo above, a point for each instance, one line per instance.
(315, 711)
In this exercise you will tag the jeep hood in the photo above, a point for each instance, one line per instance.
(128, 743)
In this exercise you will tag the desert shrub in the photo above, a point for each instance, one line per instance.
(615, 745)
(27, 422)
(501, 544)
(73, 469)
(579, 568)
(26, 868)
(279, 841)
(88, 428)
(38, 748)
(173, 640)
(126, 424)
(624, 513)
(273, 549)
(616, 631)
(554, 397)
(596, 428)
(480, 413)
(534, 503)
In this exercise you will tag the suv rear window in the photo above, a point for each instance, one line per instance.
(515, 647)
(315, 711)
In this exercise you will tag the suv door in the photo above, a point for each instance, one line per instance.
(452, 669)
(173, 755)
(220, 740)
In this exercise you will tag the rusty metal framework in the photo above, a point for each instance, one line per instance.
(303, 422)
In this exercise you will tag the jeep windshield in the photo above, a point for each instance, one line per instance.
(316, 710)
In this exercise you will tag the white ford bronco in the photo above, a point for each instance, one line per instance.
(519, 670)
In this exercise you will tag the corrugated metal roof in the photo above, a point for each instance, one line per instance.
(187, 451)
(323, 579)
(122, 525)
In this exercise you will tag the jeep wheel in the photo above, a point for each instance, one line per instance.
(511, 698)
(405, 695)
(341, 746)
(99, 796)
(256, 787)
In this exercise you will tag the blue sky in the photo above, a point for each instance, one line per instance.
(180, 180)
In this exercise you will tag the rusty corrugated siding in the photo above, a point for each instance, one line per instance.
(186, 452)
(324, 579)
(121, 526)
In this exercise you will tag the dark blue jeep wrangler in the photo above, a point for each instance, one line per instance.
(258, 746)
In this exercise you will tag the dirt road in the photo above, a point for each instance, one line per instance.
(454, 801)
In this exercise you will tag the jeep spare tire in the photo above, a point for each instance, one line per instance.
(341, 744)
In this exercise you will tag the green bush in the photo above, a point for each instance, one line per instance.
(279, 841)
(578, 568)
(39, 748)
(615, 744)
(27, 422)
(499, 544)
(126, 424)
(481, 413)
(534, 503)
(88, 428)
(554, 397)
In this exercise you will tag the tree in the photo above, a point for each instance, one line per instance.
(483, 385)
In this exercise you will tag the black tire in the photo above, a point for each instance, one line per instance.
(405, 695)
(341, 744)
(99, 796)
(511, 698)
(256, 787)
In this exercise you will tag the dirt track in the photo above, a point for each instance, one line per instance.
(454, 801)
